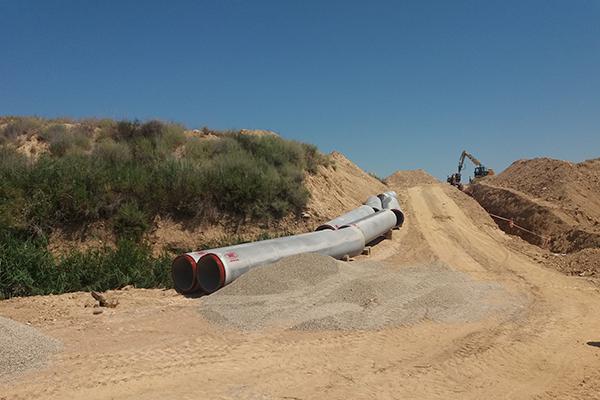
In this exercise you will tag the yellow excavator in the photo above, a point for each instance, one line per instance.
(480, 170)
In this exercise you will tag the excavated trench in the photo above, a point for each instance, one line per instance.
(544, 224)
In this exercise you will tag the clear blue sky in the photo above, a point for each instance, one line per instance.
(393, 85)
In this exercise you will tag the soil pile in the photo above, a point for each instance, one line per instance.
(339, 188)
(555, 199)
(409, 178)
(585, 262)
(22, 347)
(313, 292)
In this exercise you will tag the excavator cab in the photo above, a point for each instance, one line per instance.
(480, 172)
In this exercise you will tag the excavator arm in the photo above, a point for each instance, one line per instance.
(470, 156)
(480, 170)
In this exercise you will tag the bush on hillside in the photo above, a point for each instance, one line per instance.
(241, 175)
(28, 268)
(130, 174)
(19, 126)
(130, 222)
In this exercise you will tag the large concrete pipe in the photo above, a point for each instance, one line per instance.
(391, 203)
(390, 193)
(219, 267)
(374, 202)
(348, 218)
(377, 225)
(346, 235)
(183, 272)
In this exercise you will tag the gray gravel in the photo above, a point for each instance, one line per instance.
(22, 347)
(313, 292)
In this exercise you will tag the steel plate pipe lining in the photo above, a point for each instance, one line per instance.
(374, 202)
(219, 267)
(348, 218)
(376, 225)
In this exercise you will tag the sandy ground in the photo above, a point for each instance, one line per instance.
(156, 345)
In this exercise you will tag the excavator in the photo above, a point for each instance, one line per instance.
(480, 170)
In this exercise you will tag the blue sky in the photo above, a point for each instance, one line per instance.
(393, 85)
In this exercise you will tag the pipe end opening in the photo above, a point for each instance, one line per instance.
(183, 273)
(399, 217)
(210, 273)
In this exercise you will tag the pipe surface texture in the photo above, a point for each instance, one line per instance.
(376, 225)
(391, 203)
(219, 267)
(348, 218)
(390, 193)
(374, 202)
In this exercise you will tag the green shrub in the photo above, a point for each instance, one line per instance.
(25, 265)
(173, 136)
(28, 268)
(130, 222)
(103, 269)
(314, 158)
(241, 175)
(13, 199)
(61, 140)
(53, 132)
(19, 126)
(374, 175)
(113, 153)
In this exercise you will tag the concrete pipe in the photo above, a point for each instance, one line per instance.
(390, 193)
(391, 203)
(374, 202)
(348, 218)
(219, 267)
(376, 225)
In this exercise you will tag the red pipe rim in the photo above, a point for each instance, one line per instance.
(221, 268)
(192, 263)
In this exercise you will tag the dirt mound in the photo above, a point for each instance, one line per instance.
(339, 188)
(313, 292)
(585, 262)
(554, 199)
(409, 178)
(22, 347)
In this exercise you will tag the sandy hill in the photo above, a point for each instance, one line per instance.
(409, 178)
(554, 198)
(339, 188)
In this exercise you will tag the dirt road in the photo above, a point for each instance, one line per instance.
(155, 345)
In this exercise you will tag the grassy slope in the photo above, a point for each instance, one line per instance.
(125, 174)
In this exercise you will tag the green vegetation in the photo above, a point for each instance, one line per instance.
(126, 173)
(374, 175)
(28, 268)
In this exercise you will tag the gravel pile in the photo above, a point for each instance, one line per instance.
(292, 273)
(312, 292)
(22, 347)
